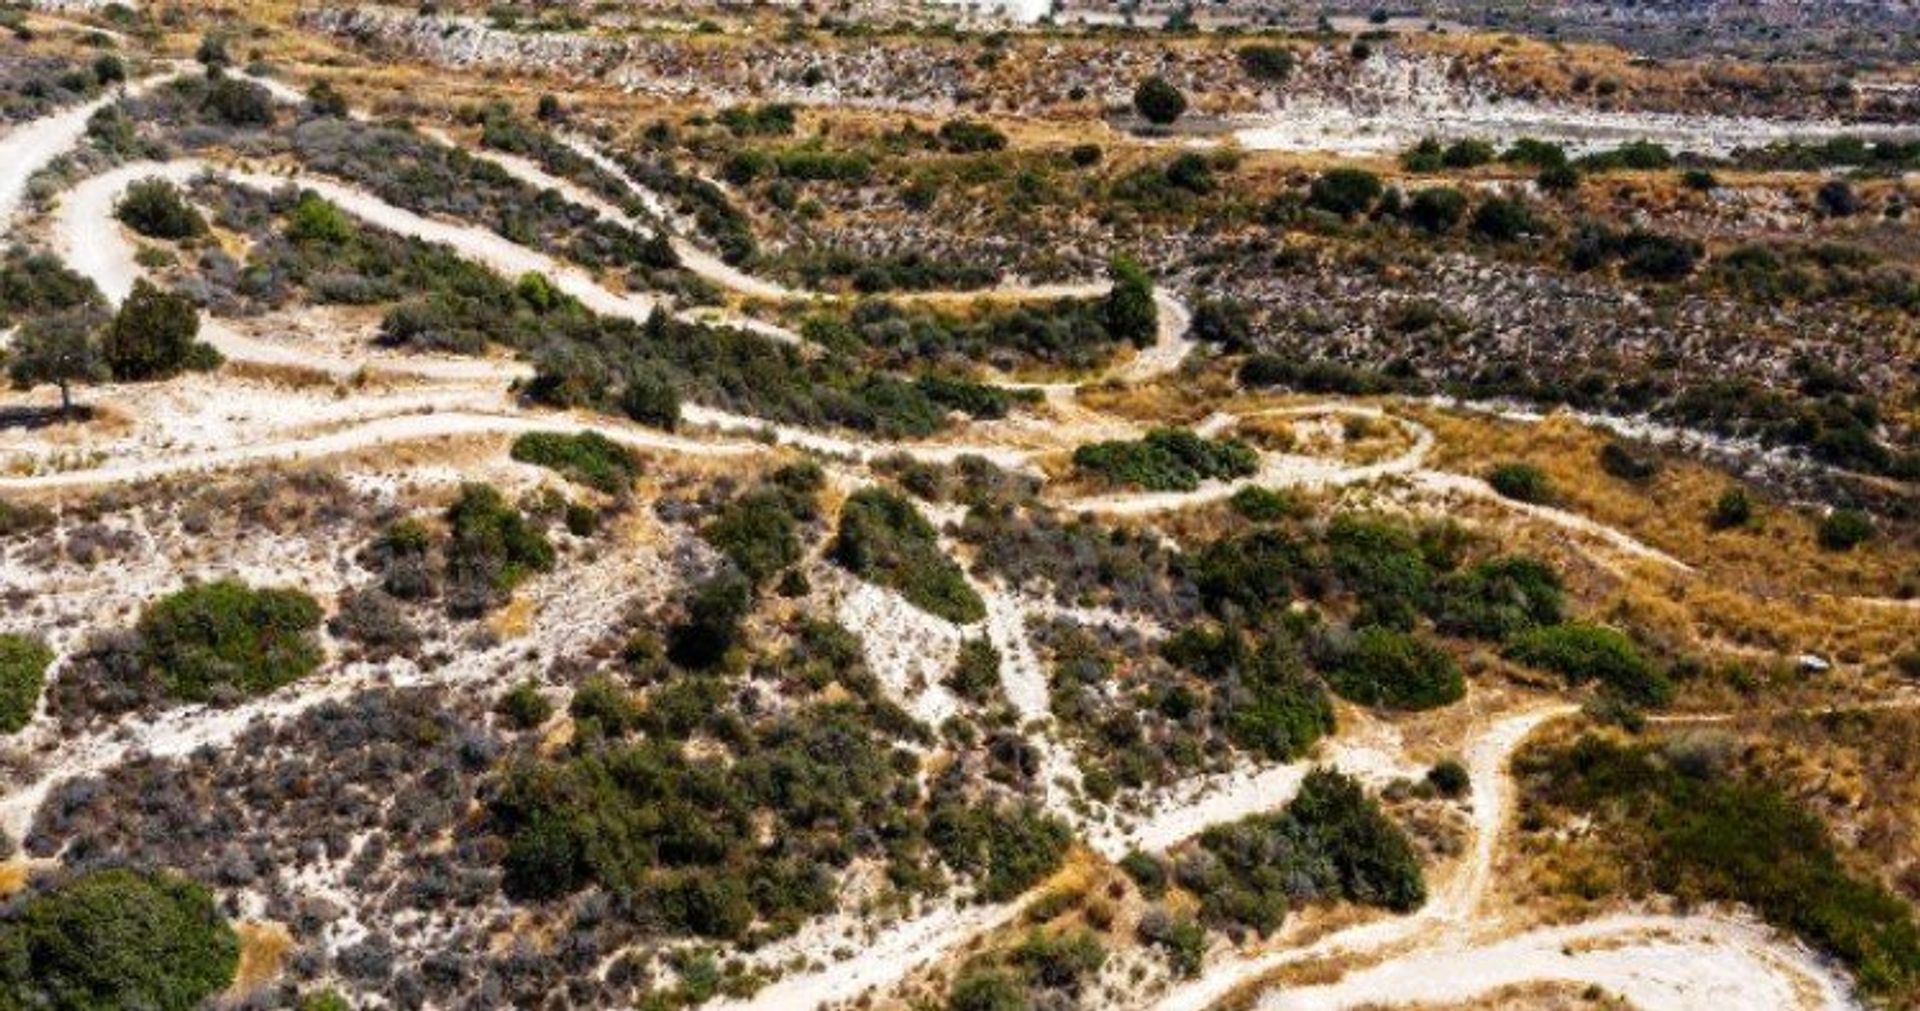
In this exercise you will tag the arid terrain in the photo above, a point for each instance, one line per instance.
(966, 507)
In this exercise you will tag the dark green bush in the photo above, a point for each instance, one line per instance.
(492, 548)
(1331, 842)
(1503, 219)
(1449, 778)
(1158, 101)
(1008, 847)
(968, 136)
(1522, 482)
(1845, 529)
(1379, 561)
(1710, 839)
(586, 457)
(1262, 505)
(152, 337)
(1167, 459)
(1624, 463)
(1346, 192)
(524, 707)
(1266, 62)
(976, 673)
(212, 641)
(1131, 313)
(1389, 668)
(157, 209)
(116, 939)
(884, 540)
(23, 673)
(1734, 508)
(1582, 653)
(759, 531)
(1436, 209)
(1499, 597)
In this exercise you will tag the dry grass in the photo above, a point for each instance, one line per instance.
(1775, 556)
(263, 947)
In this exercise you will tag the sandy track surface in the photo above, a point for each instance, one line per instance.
(30, 147)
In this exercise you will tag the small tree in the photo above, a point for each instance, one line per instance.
(1130, 310)
(1159, 101)
(60, 349)
(152, 336)
(158, 210)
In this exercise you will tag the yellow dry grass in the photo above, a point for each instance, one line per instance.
(263, 947)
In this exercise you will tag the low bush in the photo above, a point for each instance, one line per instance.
(1167, 459)
(976, 673)
(1734, 508)
(1008, 847)
(1266, 61)
(1582, 653)
(1392, 669)
(1331, 842)
(116, 939)
(1522, 482)
(220, 641)
(1499, 597)
(1845, 529)
(884, 540)
(157, 209)
(1346, 192)
(23, 674)
(491, 548)
(1706, 838)
(759, 531)
(1624, 463)
(524, 707)
(587, 457)
(1449, 778)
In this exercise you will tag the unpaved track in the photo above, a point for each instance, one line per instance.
(32, 146)
(1641, 964)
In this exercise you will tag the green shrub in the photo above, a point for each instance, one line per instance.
(1331, 842)
(1379, 561)
(1130, 311)
(1582, 653)
(524, 707)
(1266, 62)
(1499, 597)
(1389, 668)
(1711, 839)
(1503, 219)
(976, 673)
(1845, 529)
(1522, 482)
(1346, 192)
(212, 639)
(1449, 778)
(157, 209)
(1008, 847)
(987, 990)
(1181, 937)
(1262, 505)
(116, 939)
(1734, 508)
(316, 220)
(1149, 872)
(759, 532)
(884, 540)
(1168, 459)
(152, 337)
(492, 543)
(967, 136)
(1158, 101)
(587, 458)
(23, 673)
(1435, 209)
(1621, 462)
